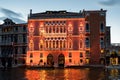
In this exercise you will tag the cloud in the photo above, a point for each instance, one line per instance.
(109, 2)
(16, 17)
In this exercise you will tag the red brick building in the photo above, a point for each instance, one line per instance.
(61, 38)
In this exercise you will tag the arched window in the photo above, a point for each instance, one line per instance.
(41, 44)
(31, 55)
(70, 44)
(31, 45)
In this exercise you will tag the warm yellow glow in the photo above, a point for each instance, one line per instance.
(70, 25)
(87, 61)
(41, 24)
(114, 61)
(81, 24)
(102, 51)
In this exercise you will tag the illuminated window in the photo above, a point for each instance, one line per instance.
(41, 44)
(41, 55)
(70, 60)
(31, 45)
(31, 55)
(81, 54)
(70, 54)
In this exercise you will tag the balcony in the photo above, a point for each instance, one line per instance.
(55, 34)
(5, 43)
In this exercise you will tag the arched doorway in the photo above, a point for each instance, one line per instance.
(61, 60)
(50, 61)
(102, 61)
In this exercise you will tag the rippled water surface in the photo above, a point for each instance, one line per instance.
(60, 74)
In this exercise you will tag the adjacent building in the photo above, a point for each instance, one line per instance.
(13, 43)
(61, 38)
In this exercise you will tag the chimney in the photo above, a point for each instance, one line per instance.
(30, 11)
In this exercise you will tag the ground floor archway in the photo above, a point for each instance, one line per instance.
(50, 61)
(61, 60)
(102, 61)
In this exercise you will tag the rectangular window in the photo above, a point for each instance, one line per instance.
(87, 27)
(87, 52)
(31, 55)
(87, 42)
(102, 42)
(81, 54)
(101, 27)
(24, 38)
(24, 50)
(16, 28)
(70, 60)
(70, 54)
(16, 38)
(24, 28)
(81, 61)
(41, 55)
(16, 50)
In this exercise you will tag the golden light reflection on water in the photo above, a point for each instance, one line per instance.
(57, 74)
(60, 74)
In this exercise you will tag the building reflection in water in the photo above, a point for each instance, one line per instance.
(60, 74)
(114, 74)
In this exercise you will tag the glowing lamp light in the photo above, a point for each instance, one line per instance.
(102, 51)
(70, 25)
(41, 24)
(81, 24)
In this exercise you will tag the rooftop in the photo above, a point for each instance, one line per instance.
(55, 14)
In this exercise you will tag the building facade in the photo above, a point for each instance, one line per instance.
(61, 38)
(13, 43)
(113, 54)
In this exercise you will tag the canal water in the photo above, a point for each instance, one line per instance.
(60, 74)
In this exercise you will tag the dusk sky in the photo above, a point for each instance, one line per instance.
(18, 10)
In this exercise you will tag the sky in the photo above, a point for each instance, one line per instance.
(18, 10)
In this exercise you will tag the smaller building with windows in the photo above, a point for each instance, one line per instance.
(13, 43)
